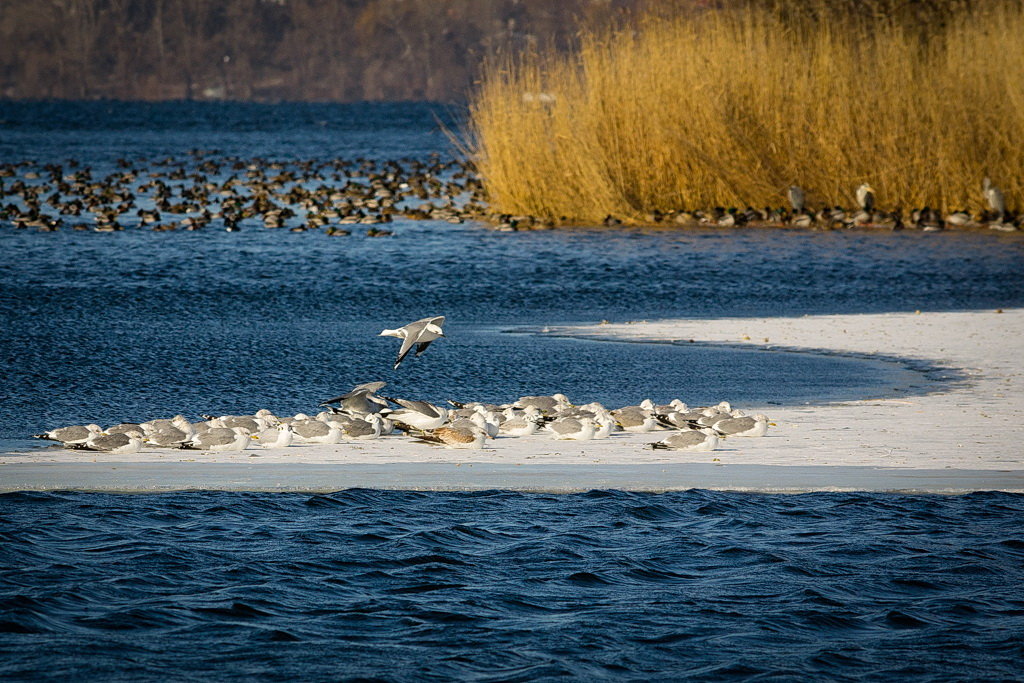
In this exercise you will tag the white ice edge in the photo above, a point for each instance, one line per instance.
(964, 437)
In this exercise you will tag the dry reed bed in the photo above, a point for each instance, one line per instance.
(729, 108)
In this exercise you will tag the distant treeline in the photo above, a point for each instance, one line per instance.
(316, 50)
(341, 50)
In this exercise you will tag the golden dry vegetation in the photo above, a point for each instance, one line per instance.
(730, 107)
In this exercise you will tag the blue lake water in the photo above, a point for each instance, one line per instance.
(136, 324)
(501, 586)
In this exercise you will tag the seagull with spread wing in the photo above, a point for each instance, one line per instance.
(362, 400)
(419, 334)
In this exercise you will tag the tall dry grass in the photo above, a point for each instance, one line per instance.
(730, 107)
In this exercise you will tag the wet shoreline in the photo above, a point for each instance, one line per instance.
(299, 477)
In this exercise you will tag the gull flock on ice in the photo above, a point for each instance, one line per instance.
(364, 413)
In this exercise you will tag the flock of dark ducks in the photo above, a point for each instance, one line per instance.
(227, 193)
(866, 215)
(206, 190)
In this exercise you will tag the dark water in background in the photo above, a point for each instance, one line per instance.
(506, 586)
(136, 325)
(496, 586)
(99, 133)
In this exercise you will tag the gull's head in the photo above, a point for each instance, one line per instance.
(390, 333)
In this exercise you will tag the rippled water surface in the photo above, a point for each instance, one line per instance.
(136, 324)
(506, 586)
(494, 586)
(130, 326)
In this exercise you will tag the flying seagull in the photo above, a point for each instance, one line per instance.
(419, 334)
